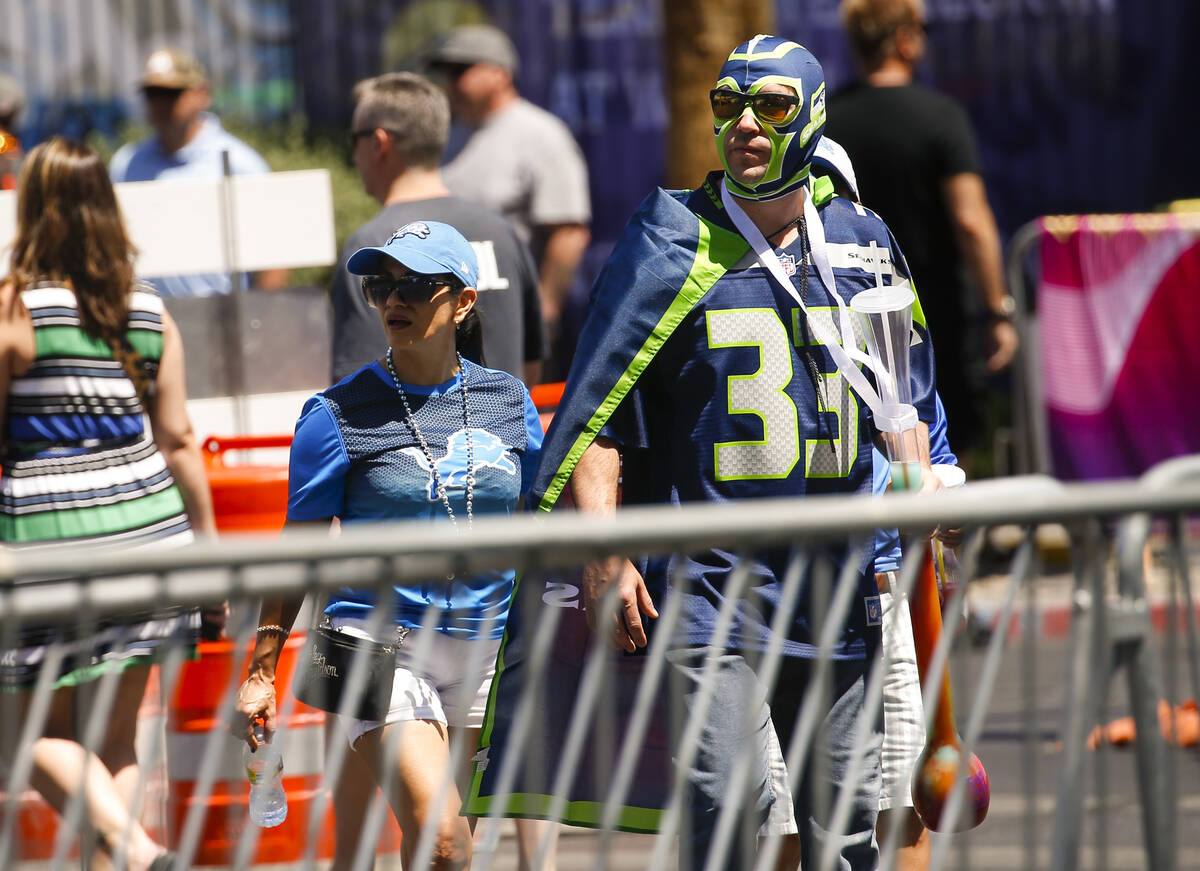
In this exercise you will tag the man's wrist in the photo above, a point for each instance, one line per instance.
(1004, 310)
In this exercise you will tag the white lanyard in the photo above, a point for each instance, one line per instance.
(845, 352)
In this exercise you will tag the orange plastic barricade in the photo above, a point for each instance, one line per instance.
(246, 497)
(545, 399)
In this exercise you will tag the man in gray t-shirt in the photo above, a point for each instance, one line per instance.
(399, 130)
(518, 159)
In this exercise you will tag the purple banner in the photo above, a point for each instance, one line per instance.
(1079, 105)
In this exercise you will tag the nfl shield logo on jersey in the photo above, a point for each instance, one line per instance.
(788, 262)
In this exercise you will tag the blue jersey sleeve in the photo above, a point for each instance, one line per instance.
(939, 436)
(533, 448)
(317, 465)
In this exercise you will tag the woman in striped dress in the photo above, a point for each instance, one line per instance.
(84, 352)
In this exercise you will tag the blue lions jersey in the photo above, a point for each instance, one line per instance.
(355, 457)
(742, 402)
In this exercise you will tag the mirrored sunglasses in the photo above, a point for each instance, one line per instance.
(413, 289)
(768, 108)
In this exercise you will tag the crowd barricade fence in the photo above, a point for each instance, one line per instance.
(1124, 537)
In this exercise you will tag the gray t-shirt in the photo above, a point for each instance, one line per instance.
(509, 307)
(524, 163)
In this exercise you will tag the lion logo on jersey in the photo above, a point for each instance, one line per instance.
(417, 228)
(486, 448)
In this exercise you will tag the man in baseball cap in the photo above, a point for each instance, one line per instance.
(188, 142)
(174, 69)
(519, 160)
(475, 44)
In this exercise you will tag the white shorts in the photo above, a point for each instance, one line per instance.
(438, 678)
(903, 711)
(903, 725)
(781, 819)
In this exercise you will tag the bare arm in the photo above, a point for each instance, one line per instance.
(565, 244)
(256, 696)
(975, 230)
(17, 348)
(594, 489)
(173, 434)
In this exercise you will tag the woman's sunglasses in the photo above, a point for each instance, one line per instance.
(413, 289)
(768, 108)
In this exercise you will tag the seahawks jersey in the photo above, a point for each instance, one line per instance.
(743, 402)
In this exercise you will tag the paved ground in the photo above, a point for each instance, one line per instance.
(1023, 769)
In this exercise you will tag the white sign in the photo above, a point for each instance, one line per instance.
(244, 223)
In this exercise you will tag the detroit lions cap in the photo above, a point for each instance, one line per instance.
(424, 247)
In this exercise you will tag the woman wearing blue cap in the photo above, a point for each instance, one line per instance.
(420, 434)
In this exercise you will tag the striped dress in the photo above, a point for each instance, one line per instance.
(79, 468)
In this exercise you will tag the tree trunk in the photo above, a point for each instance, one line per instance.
(698, 35)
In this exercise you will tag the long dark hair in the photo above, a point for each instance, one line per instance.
(468, 337)
(69, 229)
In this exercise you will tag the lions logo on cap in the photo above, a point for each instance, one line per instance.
(417, 228)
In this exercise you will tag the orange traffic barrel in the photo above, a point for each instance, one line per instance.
(246, 497)
(192, 717)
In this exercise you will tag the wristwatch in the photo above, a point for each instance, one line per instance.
(1008, 308)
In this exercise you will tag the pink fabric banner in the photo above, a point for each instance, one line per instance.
(1119, 322)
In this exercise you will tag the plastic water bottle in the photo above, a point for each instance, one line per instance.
(264, 770)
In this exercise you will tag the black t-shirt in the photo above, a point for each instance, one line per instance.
(509, 307)
(904, 142)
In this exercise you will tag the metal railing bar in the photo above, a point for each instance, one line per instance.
(768, 673)
(563, 540)
(639, 722)
(33, 727)
(808, 720)
(985, 683)
(1081, 703)
(1029, 746)
(690, 735)
(536, 658)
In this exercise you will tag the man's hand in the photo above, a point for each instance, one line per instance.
(1000, 345)
(622, 628)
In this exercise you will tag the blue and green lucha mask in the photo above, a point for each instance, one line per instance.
(753, 65)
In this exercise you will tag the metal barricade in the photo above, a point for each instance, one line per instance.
(1027, 701)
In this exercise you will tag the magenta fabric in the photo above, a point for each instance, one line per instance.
(1119, 316)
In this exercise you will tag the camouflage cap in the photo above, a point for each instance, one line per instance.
(172, 68)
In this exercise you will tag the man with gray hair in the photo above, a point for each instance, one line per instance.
(399, 129)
